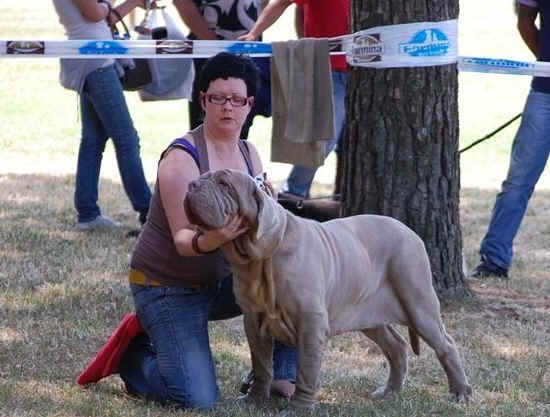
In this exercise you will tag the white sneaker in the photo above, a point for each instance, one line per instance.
(100, 222)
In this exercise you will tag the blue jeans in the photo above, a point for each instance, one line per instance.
(105, 114)
(173, 363)
(528, 159)
(300, 177)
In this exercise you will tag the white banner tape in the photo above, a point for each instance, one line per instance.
(503, 66)
(86, 49)
(407, 45)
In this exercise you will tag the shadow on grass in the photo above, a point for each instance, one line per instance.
(63, 292)
(38, 239)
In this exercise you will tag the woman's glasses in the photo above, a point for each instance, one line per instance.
(236, 101)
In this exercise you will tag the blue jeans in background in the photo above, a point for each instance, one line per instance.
(528, 159)
(105, 115)
(300, 178)
(173, 363)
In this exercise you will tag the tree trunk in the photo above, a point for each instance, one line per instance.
(400, 148)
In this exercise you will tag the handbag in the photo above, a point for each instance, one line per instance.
(172, 78)
(137, 73)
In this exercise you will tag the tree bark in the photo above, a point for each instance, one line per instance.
(400, 147)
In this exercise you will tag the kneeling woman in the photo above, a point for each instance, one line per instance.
(180, 280)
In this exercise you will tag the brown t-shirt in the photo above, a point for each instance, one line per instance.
(155, 254)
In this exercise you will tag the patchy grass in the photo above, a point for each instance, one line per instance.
(63, 292)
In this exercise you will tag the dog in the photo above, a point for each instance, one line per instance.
(301, 281)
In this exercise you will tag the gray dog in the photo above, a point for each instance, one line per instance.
(300, 281)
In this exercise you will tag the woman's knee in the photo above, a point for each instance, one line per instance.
(197, 396)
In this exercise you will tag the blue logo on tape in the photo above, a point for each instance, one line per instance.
(427, 42)
(103, 48)
(499, 63)
(249, 48)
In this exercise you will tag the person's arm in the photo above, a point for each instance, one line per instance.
(269, 15)
(192, 17)
(92, 10)
(175, 172)
(527, 27)
(299, 20)
(124, 8)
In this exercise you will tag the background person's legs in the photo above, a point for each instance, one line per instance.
(90, 154)
(107, 98)
(527, 161)
(300, 178)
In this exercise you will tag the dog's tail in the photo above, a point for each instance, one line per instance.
(415, 341)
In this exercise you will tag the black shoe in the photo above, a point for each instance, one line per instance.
(246, 383)
(488, 269)
(131, 391)
(133, 233)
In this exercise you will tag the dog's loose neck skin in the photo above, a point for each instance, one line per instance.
(250, 254)
(246, 248)
(268, 223)
(254, 285)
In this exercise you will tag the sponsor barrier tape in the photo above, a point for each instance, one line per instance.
(405, 45)
(503, 66)
(86, 49)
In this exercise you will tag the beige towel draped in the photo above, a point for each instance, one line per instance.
(301, 98)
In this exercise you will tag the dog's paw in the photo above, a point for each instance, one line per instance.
(249, 399)
(383, 392)
(379, 393)
(296, 411)
(242, 401)
(463, 394)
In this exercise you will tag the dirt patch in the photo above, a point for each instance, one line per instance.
(502, 302)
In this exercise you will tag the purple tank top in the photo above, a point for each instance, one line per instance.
(155, 253)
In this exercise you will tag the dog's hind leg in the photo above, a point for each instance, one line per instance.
(413, 284)
(394, 348)
(431, 329)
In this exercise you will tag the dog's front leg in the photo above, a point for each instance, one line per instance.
(261, 353)
(312, 335)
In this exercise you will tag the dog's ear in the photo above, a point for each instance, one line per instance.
(268, 217)
(259, 197)
(188, 212)
(262, 214)
(242, 186)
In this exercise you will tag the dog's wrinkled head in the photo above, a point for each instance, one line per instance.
(216, 196)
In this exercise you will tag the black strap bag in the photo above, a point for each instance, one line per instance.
(137, 73)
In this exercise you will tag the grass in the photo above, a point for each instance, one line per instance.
(63, 292)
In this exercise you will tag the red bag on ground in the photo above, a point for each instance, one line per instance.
(107, 359)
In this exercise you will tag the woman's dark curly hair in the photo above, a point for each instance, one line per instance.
(225, 65)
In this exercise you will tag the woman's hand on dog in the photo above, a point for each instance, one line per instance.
(215, 238)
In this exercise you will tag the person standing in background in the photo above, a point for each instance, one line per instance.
(224, 20)
(103, 112)
(530, 150)
(313, 19)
